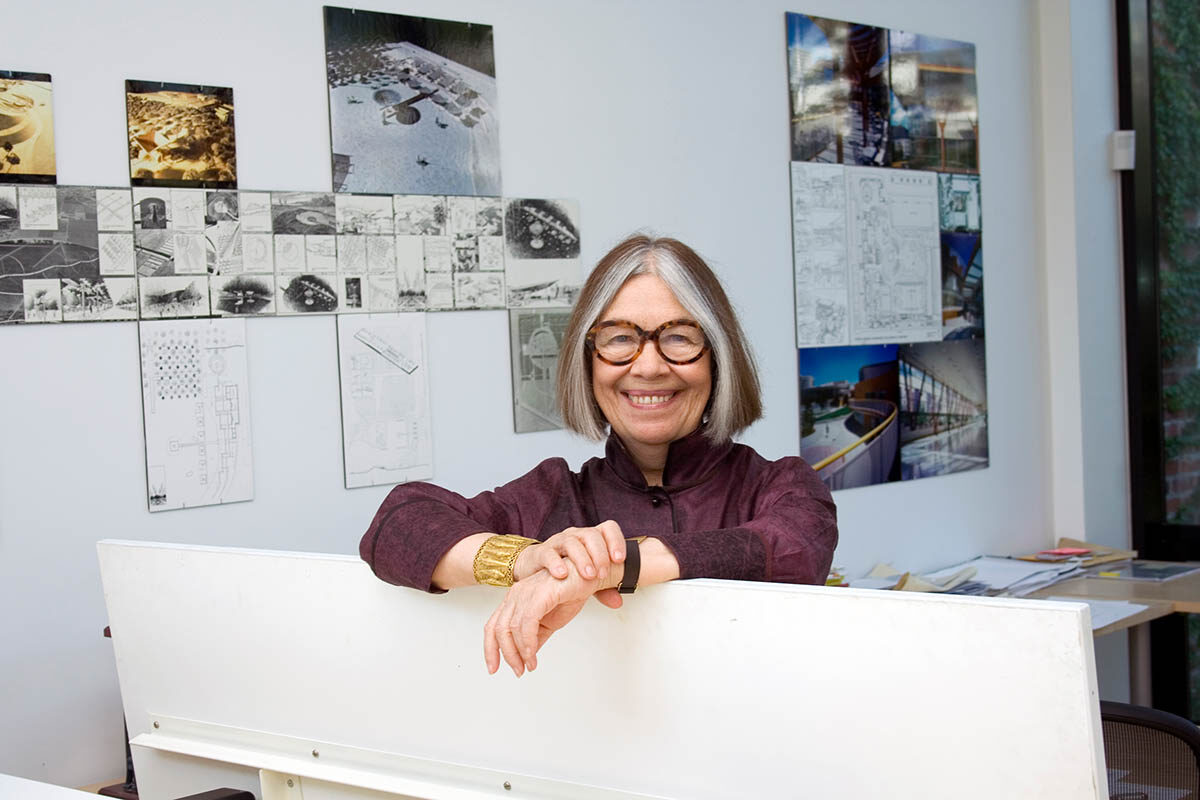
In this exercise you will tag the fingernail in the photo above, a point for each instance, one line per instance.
(617, 555)
(589, 572)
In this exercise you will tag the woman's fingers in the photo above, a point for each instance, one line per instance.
(498, 641)
(575, 549)
(491, 647)
(614, 540)
(552, 560)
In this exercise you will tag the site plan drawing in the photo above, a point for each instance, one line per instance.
(196, 405)
(386, 430)
(867, 255)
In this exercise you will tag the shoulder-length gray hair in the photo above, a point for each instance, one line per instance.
(736, 399)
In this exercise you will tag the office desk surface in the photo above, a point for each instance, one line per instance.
(1181, 594)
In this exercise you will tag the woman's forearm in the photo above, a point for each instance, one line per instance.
(457, 567)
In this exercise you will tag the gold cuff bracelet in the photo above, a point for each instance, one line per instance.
(495, 559)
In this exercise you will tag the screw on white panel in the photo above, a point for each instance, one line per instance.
(156, 723)
(316, 754)
(507, 786)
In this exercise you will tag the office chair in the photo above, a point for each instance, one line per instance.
(1150, 754)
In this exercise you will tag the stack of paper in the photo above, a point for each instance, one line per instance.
(1011, 576)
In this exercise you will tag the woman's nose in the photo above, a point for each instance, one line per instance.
(650, 363)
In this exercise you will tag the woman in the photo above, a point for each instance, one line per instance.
(654, 353)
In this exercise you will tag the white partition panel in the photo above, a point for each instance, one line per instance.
(251, 660)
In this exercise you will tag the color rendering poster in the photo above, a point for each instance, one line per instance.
(26, 128)
(181, 135)
(412, 104)
(888, 252)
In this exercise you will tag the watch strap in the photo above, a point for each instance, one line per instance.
(633, 565)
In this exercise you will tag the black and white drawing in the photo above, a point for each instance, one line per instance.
(117, 256)
(478, 290)
(65, 245)
(43, 300)
(114, 210)
(223, 232)
(364, 213)
(196, 407)
(412, 104)
(290, 253)
(410, 273)
(419, 215)
(320, 254)
(99, 299)
(383, 295)
(153, 236)
(254, 212)
(867, 255)
(306, 294)
(242, 295)
(258, 253)
(542, 266)
(489, 216)
(386, 430)
(174, 296)
(303, 213)
(352, 253)
(535, 338)
(38, 207)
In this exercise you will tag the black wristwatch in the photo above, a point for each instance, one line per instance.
(633, 565)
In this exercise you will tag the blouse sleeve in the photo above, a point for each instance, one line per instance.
(418, 522)
(789, 538)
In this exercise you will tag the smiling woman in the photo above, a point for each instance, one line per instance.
(654, 356)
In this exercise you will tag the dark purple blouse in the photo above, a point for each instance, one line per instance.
(724, 511)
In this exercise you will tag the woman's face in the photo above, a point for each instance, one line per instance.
(650, 402)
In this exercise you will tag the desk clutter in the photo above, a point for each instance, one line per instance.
(1023, 575)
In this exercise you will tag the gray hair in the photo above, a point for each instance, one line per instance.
(736, 399)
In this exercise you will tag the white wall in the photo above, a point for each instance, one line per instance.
(669, 115)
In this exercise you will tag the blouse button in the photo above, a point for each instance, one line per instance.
(656, 501)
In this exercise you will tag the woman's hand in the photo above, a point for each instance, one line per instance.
(534, 608)
(593, 551)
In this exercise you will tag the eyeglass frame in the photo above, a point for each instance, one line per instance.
(643, 337)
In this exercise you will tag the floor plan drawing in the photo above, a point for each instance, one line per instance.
(894, 255)
(386, 430)
(196, 405)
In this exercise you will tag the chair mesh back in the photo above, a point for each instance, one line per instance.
(1148, 764)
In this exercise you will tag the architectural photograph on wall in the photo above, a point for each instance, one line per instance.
(181, 135)
(849, 422)
(26, 128)
(412, 104)
(887, 240)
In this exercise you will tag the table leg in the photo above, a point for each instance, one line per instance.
(1139, 665)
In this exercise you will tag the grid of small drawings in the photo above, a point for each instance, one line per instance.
(82, 253)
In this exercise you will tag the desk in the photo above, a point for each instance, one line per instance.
(1181, 595)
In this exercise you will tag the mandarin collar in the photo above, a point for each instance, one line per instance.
(690, 460)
